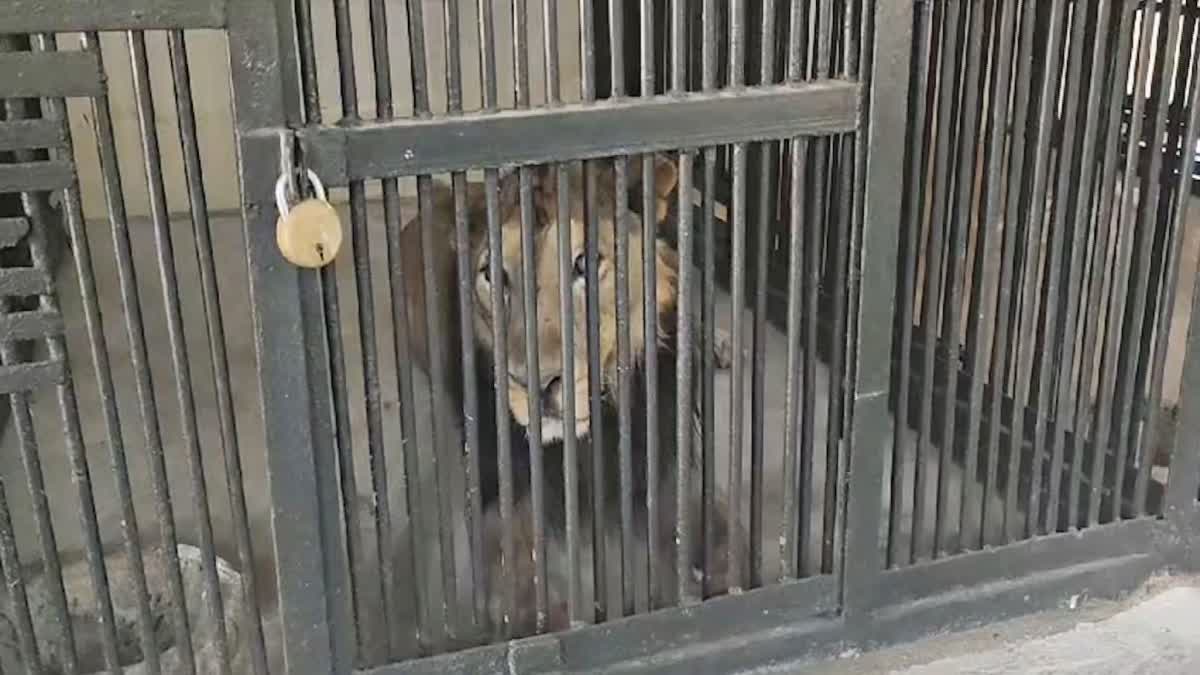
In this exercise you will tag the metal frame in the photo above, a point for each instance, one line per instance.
(864, 606)
(861, 603)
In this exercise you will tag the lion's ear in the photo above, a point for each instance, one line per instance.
(666, 180)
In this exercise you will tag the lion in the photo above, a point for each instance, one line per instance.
(551, 389)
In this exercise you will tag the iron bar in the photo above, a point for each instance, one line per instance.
(434, 308)
(991, 223)
(1035, 207)
(791, 433)
(960, 211)
(650, 307)
(708, 321)
(579, 131)
(215, 328)
(465, 270)
(139, 357)
(1171, 279)
(1131, 379)
(179, 356)
(1111, 389)
(923, 541)
(921, 99)
(30, 74)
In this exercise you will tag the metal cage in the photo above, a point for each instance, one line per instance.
(886, 355)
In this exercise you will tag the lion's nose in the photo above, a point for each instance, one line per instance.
(552, 395)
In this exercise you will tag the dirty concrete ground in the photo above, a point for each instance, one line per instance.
(235, 306)
(1152, 631)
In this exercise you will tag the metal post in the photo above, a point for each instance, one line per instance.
(310, 552)
(887, 28)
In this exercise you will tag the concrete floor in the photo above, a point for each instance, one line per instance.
(1152, 631)
(235, 307)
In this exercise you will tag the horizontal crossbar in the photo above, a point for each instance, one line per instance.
(36, 176)
(30, 134)
(50, 74)
(33, 325)
(579, 131)
(22, 281)
(30, 376)
(48, 16)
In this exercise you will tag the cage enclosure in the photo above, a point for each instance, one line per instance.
(665, 334)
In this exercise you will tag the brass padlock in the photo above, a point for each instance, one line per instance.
(310, 233)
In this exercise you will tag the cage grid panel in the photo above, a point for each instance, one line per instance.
(951, 340)
(112, 591)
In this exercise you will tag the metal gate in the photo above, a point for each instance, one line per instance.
(943, 240)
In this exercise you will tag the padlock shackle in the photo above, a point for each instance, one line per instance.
(281, 186)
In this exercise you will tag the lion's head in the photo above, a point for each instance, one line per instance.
(550, 387)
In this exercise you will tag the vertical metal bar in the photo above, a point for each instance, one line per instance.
(960, 210)
(792, 513)
(214, 322)
(683, 355)
(887, 40)
(1102, 273)
(791, 434)
(934, 289)
(992, 221)
(843, 158)
(683, 375)
(708, 324)
(1006, 304)
(466, 294)
(533, 377)
(10, 562)
(624, 363)
(1064, 194)
(1131, 235)
(287, 310)
(737, 422)
(499, 299)
(1116, 80)
(308, 61)
(1084, 192)
(327, 284)
(587, 31)
(708, 485)
(771, 154)
(1137, 338)
(496, 275)
(409, 480)
(816, 227)
(1171, 281)
(179, 358)
(366, 319)
(533, 387)
(921, 98)
(433, 312)
(1035, 207)
(650, 306)
(567, 315)
(616, 24)
(384, 109)
(135, 331)
(570, 445)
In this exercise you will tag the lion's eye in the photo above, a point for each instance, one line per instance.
(580, 265)
(486, 271)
